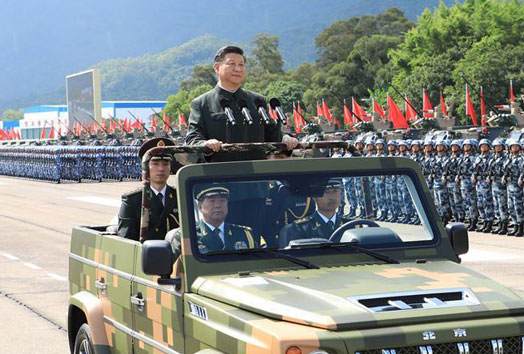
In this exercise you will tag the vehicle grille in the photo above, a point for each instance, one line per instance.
(509, 345)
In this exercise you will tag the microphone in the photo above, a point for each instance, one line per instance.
(242, 103)
(275, 105)
(226, 105)
(261, 107)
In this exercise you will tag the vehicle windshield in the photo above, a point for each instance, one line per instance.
(310, 211)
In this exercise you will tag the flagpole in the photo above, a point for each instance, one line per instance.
(478, 93)
(163, 121)
(407, 102)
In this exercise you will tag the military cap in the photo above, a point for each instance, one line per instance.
(442, 142)
(380, 141)
(370, 141)
(429, 142)
(416, 143)
(334, 183)
(402, 143)
(360, 139)
(156, 142)
(210, 191)
(485, 142)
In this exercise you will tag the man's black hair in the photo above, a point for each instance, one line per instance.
(222, 52)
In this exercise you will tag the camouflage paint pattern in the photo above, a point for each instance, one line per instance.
(276, 304)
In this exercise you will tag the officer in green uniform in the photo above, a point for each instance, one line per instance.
(163, 209)
(322, 222)
(213, 232)
(208, 121)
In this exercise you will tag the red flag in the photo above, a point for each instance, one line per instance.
(273, 114)
(153, 123)
(443, 105)
(167, 123)
(395, 114)
(336, 122)
(348, 118)
(411, 114)
(511, 97)
(90, 129)
(426, 105)
(59, 130)
(378, 109)
(18, 134)
(300, 115)
(358, 111)
(52, 132)
(470, 110)
(296, 119)
(482, 107)
(182, 119)
(320, 111)
(43, 135)
(2, 134)
(325, 109)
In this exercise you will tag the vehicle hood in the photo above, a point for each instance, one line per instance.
(325, 298)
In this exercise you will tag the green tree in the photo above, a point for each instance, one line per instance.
(202, 75)
(286, 91)
(181, 101)
(10, 114)
(266, 55)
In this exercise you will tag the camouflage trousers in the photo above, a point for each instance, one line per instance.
(515, 202)
(392, 197)
(429, 181)
(350, 192)
(441, 197)
(500, 200)
(469, 198)
(455, 199)
(380, 194)
(484, 200)
(359, 192)
(404, 198)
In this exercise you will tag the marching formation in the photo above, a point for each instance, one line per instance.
(478, 182)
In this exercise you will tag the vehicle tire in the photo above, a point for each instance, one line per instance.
(83, 342)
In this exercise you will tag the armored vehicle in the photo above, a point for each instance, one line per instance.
(362, 286)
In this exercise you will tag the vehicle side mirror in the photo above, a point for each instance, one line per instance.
(458, 235)
(157, 259)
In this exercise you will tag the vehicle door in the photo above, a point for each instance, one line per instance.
(113, 281)
(158, 313)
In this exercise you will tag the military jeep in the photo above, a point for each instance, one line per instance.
(368, 287)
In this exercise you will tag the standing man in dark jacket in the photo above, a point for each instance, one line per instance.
(208, 124)
(163, 210)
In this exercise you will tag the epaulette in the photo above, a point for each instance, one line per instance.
(241, 226)
(138, 190)
(303, 220)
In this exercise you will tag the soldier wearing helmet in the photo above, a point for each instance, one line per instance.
(440, 192)
(512, 174)
(467, 188)
(499, 189)
(483, 189)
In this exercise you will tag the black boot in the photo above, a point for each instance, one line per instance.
(383, 216)
(503, 227)
(480, 227)
(473, 225)
(351, 212)
(487, 227)
(514, 231)
(393, 218)
(520, 232)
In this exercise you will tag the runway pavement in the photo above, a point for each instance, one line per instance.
(36, 220)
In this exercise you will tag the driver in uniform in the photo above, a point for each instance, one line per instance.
(322, 222)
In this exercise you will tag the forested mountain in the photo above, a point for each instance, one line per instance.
(43, 41)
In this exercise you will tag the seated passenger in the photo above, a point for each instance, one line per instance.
(213, 233)
(163, 210)
(322, 222)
